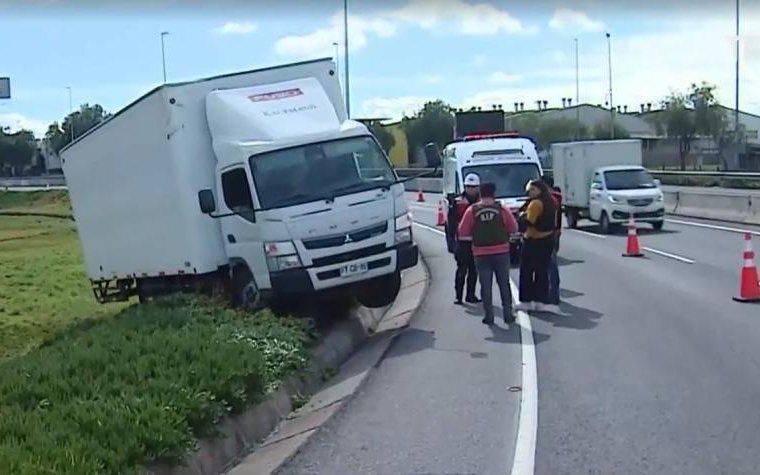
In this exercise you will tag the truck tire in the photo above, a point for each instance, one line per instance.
(381, 291)
(246, 293)
(604, 223)
(572, 219)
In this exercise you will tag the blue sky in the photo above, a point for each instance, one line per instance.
(403, 52)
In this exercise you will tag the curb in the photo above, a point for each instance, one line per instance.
(284, 444)
(258, 429)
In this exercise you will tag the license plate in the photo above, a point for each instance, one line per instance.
(353, 269)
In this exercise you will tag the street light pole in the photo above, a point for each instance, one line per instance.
(736, 103)
(71, 113)
(336, 45)
(345, 61)
(612, 106)
(577, 94)
(163, 53)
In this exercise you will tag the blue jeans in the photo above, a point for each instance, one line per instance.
(553, 272)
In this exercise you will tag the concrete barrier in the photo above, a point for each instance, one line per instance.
(740, 206)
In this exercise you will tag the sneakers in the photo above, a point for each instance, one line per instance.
(526, 306)
(472, 299)
(509, 315)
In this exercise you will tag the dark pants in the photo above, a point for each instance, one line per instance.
(465, 270)
(534, 270)
(553, 279)
(488, 267)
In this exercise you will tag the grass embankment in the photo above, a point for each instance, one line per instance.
(88, 388)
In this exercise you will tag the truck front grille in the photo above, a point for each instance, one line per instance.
(640, 202)
(353, 236)
(349, 256)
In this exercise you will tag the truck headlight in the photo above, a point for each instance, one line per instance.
(404, 235)
(282, 255)
(660, 198)
(404, 221)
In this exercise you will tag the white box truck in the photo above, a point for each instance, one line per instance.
(605, 182)
(255, 179)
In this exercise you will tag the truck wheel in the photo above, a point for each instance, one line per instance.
(572, 219)
(604, 223)
(247, 294)
(381, 291)
(657, 225)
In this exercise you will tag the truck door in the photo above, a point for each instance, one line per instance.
(241, 237)
(595, 197)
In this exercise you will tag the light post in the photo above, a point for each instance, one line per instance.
(345, 61)
(163, 53)
(612, 106)
(71, 112)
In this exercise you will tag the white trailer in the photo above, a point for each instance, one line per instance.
(605, 182)
(256, 178)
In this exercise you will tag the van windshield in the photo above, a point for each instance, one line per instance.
(633, 179)
(510, 178)
(320, 171)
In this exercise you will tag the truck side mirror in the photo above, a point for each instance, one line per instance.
(206, 201)
(432, 155)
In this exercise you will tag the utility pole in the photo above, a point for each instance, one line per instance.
(163, 53)
(577, 94)
(345, 61)
(736, 103)
(612, 106)
(336, 45)
(71, 113)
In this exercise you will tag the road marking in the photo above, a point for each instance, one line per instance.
(713, 226)
(667, 254)
(524, 460)
(598, 236)
(420, 205)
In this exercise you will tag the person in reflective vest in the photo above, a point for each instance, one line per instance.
(489, 225)
(554, 289)
(462, 245)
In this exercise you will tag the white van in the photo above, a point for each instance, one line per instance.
(507, 160)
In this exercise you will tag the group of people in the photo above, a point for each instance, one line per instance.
(480, 228)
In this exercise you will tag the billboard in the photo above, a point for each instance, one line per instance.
(5, 88)
(478, 122)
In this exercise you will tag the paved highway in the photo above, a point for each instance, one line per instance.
(654, 370)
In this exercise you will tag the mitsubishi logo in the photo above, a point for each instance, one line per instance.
(348, 239)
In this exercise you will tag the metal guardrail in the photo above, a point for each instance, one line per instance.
(406, 172)
(32, 181)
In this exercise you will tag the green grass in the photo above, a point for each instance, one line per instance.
(52, 201)
(43, 285)
(115, 395)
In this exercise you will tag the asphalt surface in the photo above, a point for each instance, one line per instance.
(438, 403)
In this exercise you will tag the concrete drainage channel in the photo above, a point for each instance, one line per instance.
(275, 428)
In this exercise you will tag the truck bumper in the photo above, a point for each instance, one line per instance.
(311, 279)
(646, 214)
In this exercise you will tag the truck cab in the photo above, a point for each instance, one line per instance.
(508, 160)
(320, 209)
(618, 192)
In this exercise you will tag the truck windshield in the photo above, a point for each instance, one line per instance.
(636, 178)
(320, 171)
(510, 178)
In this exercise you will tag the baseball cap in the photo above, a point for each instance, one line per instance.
(472, 180)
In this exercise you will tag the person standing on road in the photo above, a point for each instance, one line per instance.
(540, 218)
(489, 225)
(466, 271)
(554, 285)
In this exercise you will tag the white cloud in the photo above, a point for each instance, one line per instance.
(471, 19)
(321, 41)
(566, 19)
(236, 28)
(393, 108)
(16, 122)
(499, 77)
(646, 68)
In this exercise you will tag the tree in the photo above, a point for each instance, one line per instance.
(433, 123)
(601, 131)
(80, 121)
(687, 115)
(16, 149)
(381, 133)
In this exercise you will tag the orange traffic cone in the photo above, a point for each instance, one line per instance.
(632, 249)
(749, 288)
(441, 217)
(420, 196)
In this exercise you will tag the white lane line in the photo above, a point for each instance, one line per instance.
(422, 205)
(598, 236)
(713, 226)
(667, 254)
(524, 459)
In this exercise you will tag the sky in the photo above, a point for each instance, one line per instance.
(402, 53)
